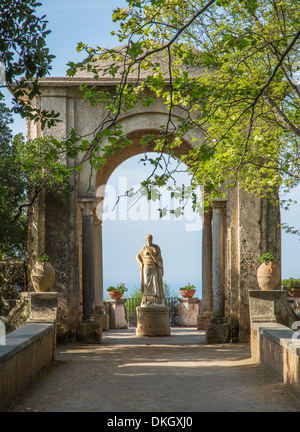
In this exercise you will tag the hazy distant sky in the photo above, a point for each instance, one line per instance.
(73, 21)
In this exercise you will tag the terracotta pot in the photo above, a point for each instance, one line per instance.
(295, 293)
(113, 295)
(268, 276)
(187, 293)
(42, 276)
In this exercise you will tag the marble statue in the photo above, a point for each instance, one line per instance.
(151, 266)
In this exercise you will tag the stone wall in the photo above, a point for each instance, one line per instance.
(26, 352)
(252, 230)
(273, 347)
(275, 342)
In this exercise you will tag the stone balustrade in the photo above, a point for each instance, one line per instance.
(274, 345)
(26, 351)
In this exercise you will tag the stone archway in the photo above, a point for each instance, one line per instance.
(236, 231)
(213, 245)
(93, 205)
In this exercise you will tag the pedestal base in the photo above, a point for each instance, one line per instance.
(43, 307)
(153, 320)
(203, 319)
(188, 310)
(271, 306)
(89, 332)
(117, 313)
(218, 331)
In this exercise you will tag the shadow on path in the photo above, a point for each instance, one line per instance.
(164, 374)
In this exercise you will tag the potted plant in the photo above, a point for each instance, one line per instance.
(117, 292)
(187, 291)
(43, 274)
(268, 274)
(292, 286)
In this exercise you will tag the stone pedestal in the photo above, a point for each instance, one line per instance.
(262, 305)
(271, 306)
(117, 314)
(89, 332)
(153, 320)
(43, 306)
(188, 311)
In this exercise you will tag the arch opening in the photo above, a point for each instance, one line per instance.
(125, 226)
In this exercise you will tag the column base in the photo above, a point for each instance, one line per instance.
(218, 331)
(153, 320)
(102, 317)
(203, 319)
(89, 332)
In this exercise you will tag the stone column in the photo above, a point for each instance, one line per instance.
(218, 331)
(98, 271)
(218, 259)
(88, 275)
(98, 261)
(206, 312)
(89, 330)
(207, 262)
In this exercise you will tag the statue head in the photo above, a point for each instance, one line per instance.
(149, 238)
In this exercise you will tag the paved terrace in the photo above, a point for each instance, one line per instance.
(158, 374)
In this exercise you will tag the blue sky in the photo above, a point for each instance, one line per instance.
(73, 21)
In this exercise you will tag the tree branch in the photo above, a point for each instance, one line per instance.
(280, 114)
(20, 208)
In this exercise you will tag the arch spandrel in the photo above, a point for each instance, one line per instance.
(134, 149)
(135, 126)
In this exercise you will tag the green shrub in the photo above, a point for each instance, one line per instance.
(290, 284)
(267, 257)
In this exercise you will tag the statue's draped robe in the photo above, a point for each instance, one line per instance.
(151, 264)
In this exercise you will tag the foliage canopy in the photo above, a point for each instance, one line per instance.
(245, 100)
(26, 57)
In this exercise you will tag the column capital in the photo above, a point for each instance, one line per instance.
(87, 205)
(219, 203)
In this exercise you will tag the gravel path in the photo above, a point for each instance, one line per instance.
(167, 374)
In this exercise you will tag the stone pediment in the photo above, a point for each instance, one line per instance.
(122, 60)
